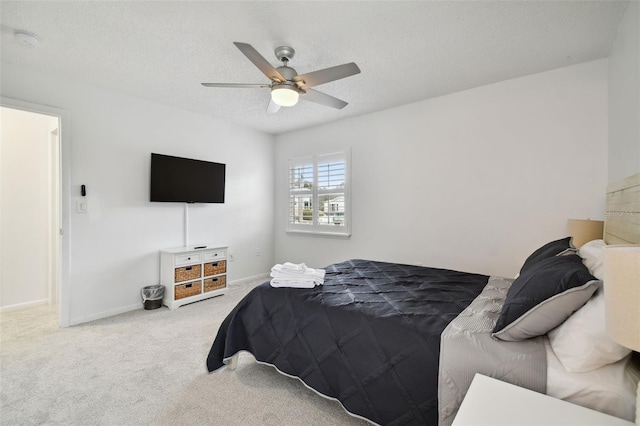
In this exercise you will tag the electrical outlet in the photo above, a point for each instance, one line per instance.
(231, 257)
(257, 252)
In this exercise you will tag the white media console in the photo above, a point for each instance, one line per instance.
(193, 273)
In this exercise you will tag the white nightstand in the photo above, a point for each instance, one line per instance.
(492, 402)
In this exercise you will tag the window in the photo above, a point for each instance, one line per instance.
(319, 195)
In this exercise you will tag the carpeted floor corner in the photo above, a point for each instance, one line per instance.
(144, 368)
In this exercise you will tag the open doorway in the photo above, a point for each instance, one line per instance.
(33, 244)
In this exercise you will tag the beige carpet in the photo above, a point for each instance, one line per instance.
(144, 367)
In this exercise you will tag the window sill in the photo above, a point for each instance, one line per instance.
(341, 235)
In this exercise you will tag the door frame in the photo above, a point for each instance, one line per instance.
(63, 246)
(54, 215)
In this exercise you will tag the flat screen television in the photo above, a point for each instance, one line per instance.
(184, 180)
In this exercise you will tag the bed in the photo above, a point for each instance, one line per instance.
(399, 344)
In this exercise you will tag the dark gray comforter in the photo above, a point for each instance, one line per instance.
(369, 337)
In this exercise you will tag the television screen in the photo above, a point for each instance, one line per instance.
(175, 179)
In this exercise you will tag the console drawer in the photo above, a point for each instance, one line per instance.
(215, 254)
(215, 283)
(187, 273)
(215, 268)
(186, 290)
(186, 259)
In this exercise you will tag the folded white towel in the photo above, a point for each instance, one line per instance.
(315, 275)
(287, 282)
(296, 268)
(291, 283)
(294, 276)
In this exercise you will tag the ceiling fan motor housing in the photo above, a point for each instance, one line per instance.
(287, 72)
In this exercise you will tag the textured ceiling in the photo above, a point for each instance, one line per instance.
(407, 50)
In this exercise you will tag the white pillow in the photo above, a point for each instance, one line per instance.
(610, 389)
(581, 343)
(592, 254)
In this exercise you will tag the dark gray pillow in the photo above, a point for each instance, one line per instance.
(543, 297)
(548, 250)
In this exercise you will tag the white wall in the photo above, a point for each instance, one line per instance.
(114, 248)
(472, 181)
(624, 97)
(25, 161)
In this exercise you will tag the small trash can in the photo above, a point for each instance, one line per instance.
(152, 296)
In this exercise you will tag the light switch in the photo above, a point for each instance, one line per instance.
(82, 206)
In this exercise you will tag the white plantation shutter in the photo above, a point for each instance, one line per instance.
(319, 195)
(301, 182)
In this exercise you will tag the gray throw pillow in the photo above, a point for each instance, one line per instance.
(543, 297)
(553, 248)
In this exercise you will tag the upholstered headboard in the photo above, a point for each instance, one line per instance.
(622, 218)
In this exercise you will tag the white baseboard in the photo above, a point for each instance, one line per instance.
(128, 308)
(26, 305)
(249, 279)
(105, 314)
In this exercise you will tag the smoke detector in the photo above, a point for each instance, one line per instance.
(26, 39)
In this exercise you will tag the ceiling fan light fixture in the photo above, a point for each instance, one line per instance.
(285, 96)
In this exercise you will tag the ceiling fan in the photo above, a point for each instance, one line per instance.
(286, 85)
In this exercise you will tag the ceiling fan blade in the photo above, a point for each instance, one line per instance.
(260, 62)
(273, 107)
(326, 75)
(237, 85)
(323, 99)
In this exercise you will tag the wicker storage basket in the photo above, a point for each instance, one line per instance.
(187, 273)
(215, 283)
(186, 290)
(215, 268)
